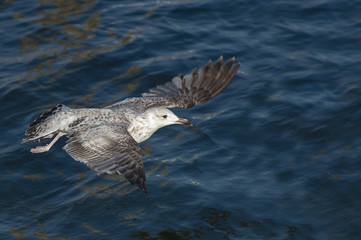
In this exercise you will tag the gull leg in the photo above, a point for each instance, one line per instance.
(47, 147)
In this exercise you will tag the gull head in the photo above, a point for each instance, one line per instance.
(161, 117)
(145, 124)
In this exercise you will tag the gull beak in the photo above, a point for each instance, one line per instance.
(184, 121)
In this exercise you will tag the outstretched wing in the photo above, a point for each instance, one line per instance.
(109, 149)
(189, 90)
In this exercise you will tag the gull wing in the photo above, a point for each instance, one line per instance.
(109, 149)
(186, 91)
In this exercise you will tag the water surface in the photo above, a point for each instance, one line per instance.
(275, 156)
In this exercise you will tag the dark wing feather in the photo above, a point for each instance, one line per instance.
(109, 149)
(189, 90)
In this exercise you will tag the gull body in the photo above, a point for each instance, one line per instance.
(106, 139)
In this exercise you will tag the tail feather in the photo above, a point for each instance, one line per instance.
(34, 127)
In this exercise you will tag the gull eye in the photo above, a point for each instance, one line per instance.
(165, 116)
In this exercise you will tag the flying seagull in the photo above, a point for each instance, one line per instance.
(107, 139)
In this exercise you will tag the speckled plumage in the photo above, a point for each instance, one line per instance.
(106, 139)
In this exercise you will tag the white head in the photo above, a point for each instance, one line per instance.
(144, 125)
(161, 117)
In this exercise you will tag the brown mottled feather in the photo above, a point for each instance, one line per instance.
(187, 91)
(100, 138)
(109, 149)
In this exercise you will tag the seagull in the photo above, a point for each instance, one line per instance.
(107, 139)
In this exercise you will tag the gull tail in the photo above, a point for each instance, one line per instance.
(38, 128)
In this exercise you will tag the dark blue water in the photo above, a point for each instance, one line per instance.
(277, 155)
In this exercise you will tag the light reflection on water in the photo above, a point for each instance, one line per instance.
(275, 156)
(65, 37)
